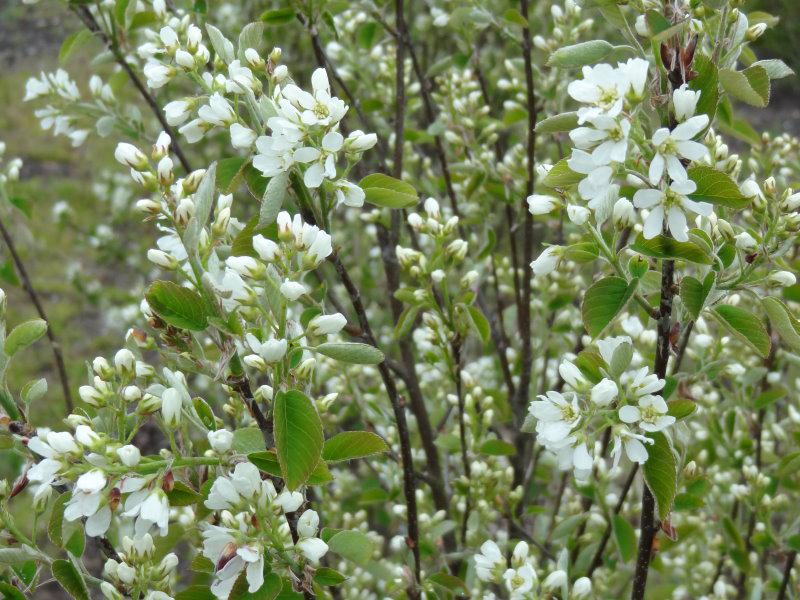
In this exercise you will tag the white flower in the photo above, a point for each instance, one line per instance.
(608, 137)
(62, 442)
(130, 156)
(276, 151)
(604, 392)
(86, 495)
(240, 79)
(292, 290)
(218, 111)
(635, 71)
(745, 241)
(271, 351)
(220, 440)
(44, 472)
(597, 186)
(358, 141)
(555, 580)
(36, 88)
(318, 107)
(673, 145)
(158, 75)
(651, 414)
(541, 204)
(266, 248)
(349, 194)
(323, 161)
(645, 383)
(129, 455)
(603, 87)
(312, 548)
(230, 560)
(572, 375)
(489, 561)
(557, 416)
(578, 214)
(289, 501)
(782, 278)
(670, 204)
(520, 581)
(327, 324)
(194, 130)
(242, 137)
(171, 405)
(684, 101)
(583, 585)
(547, 261)
(634, 445)
(177, 111)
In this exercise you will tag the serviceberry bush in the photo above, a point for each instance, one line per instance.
(443, 300)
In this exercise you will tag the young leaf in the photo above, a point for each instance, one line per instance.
(564, 122)
(745, 326)
(561, 176)
(248, 439)
(751, 86)
(625, 537)
(351, 352)
(328, 576)
(694, 294)
(382, 190)
(716, 187)
(229, 173)
(203, 202)
(23, 335)
(55, 525)
(223, 47)
(349, 445)
(578, 55)
(497, 448)
(267, 461)
(661, 472)
(70, 579)
(298, 437)
(177, 305)
(480, 322)
(776, 68)
(783, 322)
(667, 247)
(273, 199)
(603, 301)
(352, 545)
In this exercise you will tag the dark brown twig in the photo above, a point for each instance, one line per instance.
(27, 284)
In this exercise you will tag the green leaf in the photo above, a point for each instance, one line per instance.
(179, 306)
(352, 545)
(770, 396)
(72, 42)
(70, 579)
(744, 325)
(751, 86)
(55, 525)
(278, 16)
(205, 413)
(406, 321)
(481, 323)
(196, 592)
(557, 123)
(203, 202)
(694, 294)
(783, 322)
(667, 247)
(15, 556)
(661, 472)
(351, 352)
(223, 47)
(717, 188)
(229, 173)
(182, 494)
(76, 543)
(497, 448)
(23, 335)
(625, 537)
(775, 68)
(382, 190)
(247, 440)
(561, 176)
(328, 576)
(582, 252)
(578, 55)
(447, 581)
(681, 408)
(267, 461)
(9, 592)
(273, 198)
(349, 445)
(298, 437)
(252, 36)
(603, 301)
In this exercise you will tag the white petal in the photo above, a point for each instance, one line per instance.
(677, 224)
(654, 223)
(629, 414)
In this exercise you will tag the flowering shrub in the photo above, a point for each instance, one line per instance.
(451, 300)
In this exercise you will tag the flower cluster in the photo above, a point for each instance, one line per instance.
(628, 401)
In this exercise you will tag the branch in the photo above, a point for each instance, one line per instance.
(34, 296)
(86, 16)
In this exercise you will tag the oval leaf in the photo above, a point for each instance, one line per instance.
(661, 472)
(353, 444)
(746, 326)
(351, 352)
(603, 301)
(716, 187)
(178, 306)
(298, 437)
(23, 335)
(382, 190)
(578, 55)
(67, 575)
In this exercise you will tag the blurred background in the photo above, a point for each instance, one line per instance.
(77, 233)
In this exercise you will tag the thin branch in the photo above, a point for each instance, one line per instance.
(787, 574)
(86, 16)
(37, 303)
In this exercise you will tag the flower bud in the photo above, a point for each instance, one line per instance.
(101, 368)
(623, 213)
(162, 259)
(782, 278)
(130, 156)
(220, 440)
(125, 362)
(129, 455)
(171, 405)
